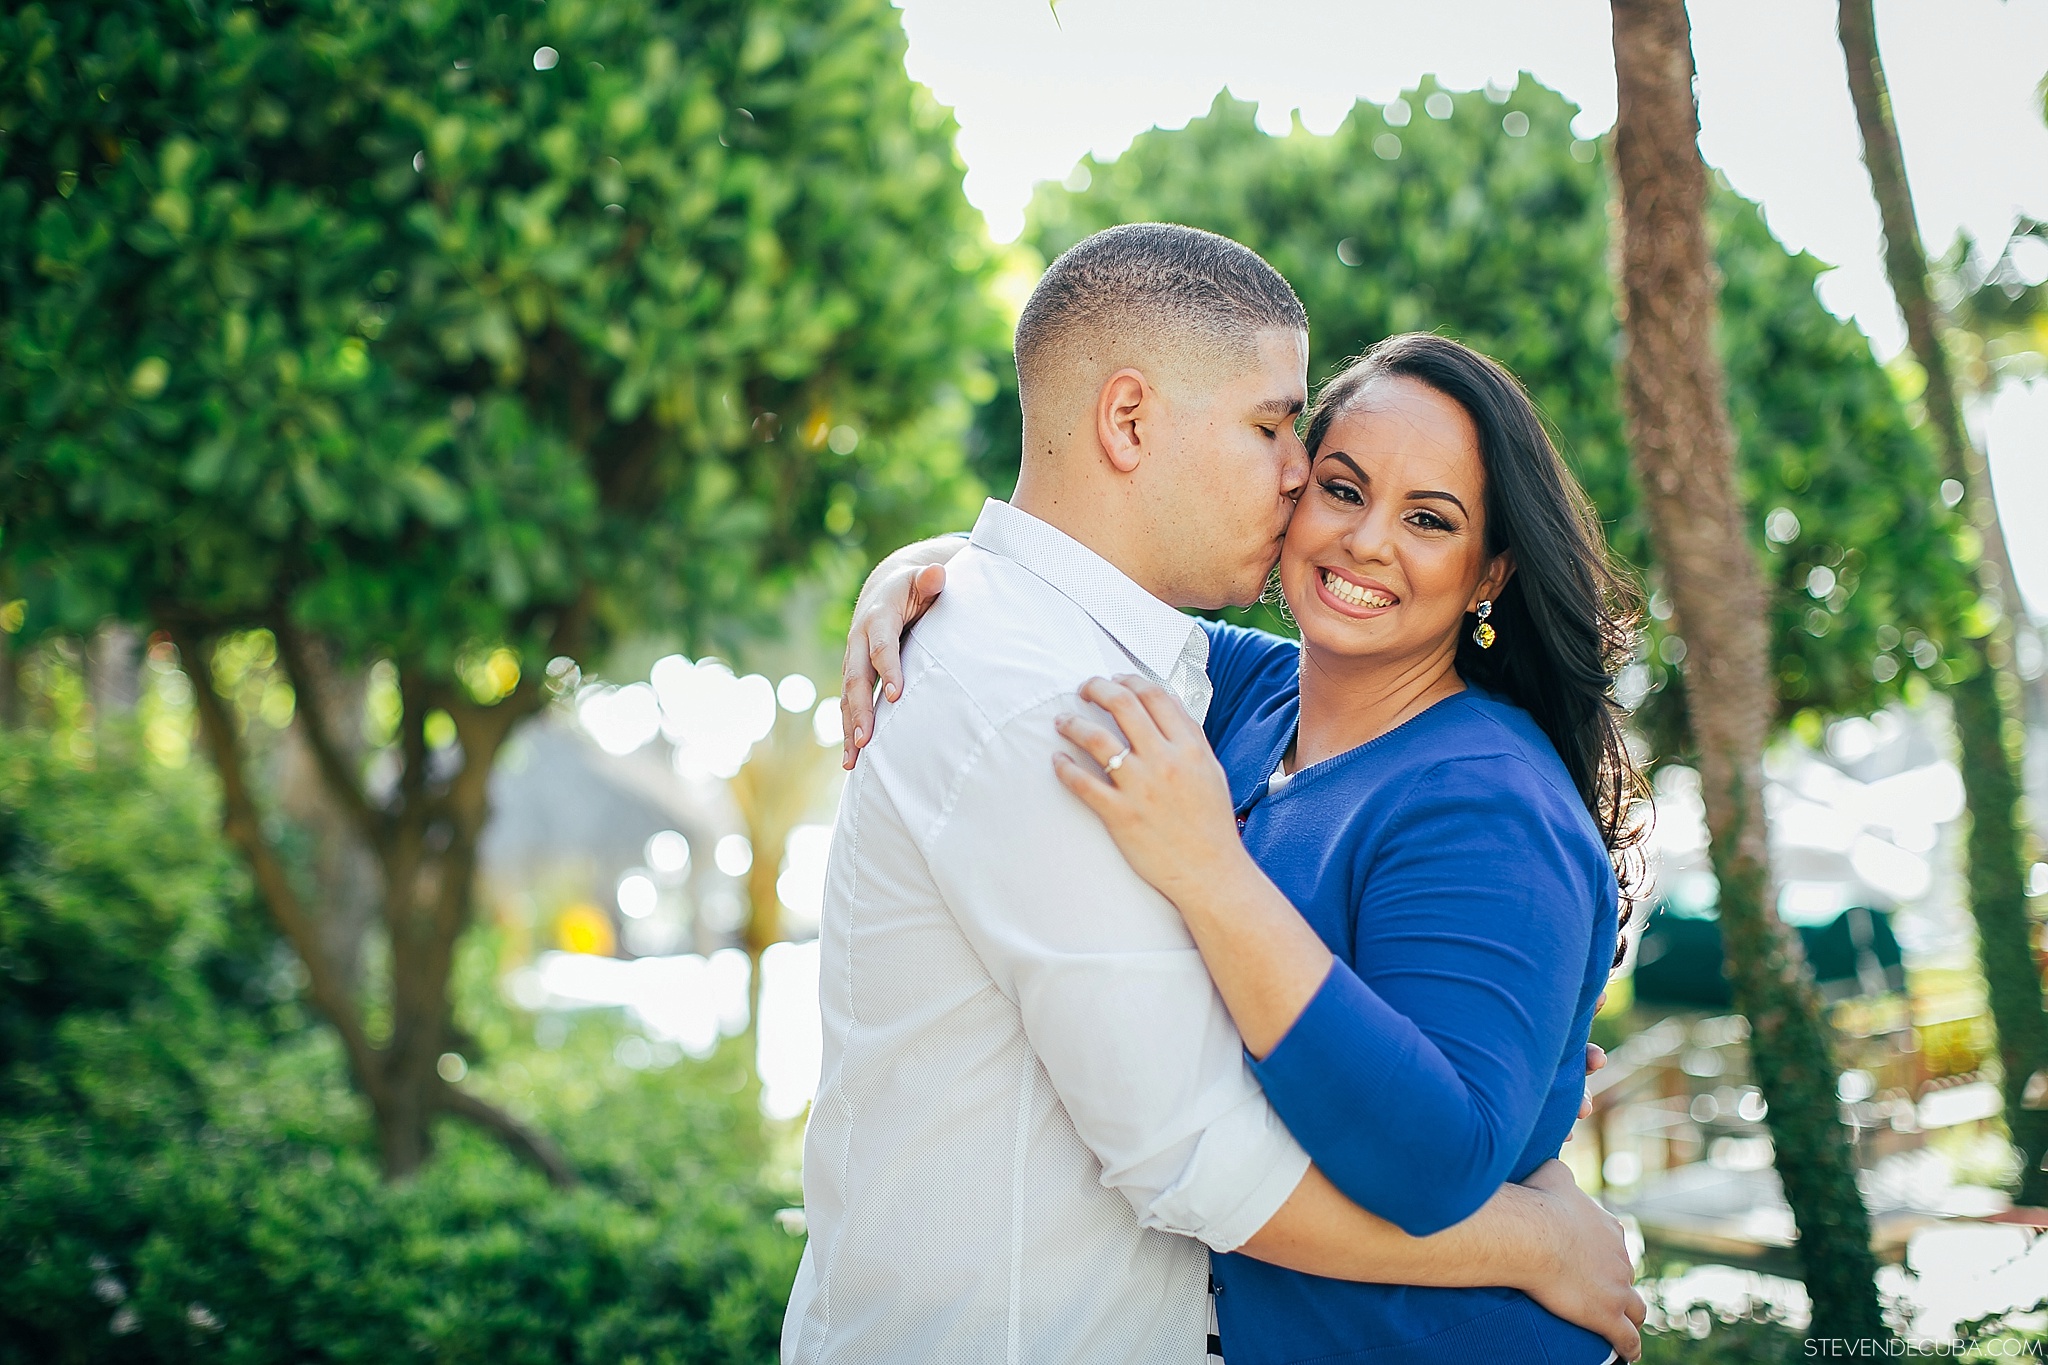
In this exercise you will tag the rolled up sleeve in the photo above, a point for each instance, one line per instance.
(1113, 995)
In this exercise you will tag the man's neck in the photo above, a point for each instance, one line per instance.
(1349, 702)
(1092, 518)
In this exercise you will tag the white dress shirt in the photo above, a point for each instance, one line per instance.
(1035, 1115)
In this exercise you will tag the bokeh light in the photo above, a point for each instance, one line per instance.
(668, 852)
(796, 693)
(801, 887)
(734, 855)
(827, 724)
(620, 719)
(712, 717)
(638, 895)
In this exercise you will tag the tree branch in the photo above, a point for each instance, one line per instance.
(481, 731)
(310, 688)
(1906, 266)
(244, 828)
(412, 738)
(526, 1143)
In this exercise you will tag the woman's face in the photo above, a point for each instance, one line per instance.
(1387, 549)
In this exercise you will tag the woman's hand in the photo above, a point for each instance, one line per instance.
(1158, 788)
(1166, 802)
(901, 589)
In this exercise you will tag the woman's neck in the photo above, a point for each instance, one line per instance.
(1346, 702)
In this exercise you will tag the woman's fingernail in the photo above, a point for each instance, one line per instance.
(858, 735)
(890, 691)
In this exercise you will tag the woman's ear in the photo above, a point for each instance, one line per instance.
(1118, 409)
(1496, 578)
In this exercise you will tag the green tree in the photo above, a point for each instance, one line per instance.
(1987, 694)
(1675, 394)
(1491, 224)
(464, 341)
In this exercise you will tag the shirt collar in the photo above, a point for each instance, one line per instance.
(1149, 630)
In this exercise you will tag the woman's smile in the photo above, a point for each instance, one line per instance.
(1355, 596)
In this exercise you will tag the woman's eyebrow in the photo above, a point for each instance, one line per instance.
(1349, 464)
(1419, 495)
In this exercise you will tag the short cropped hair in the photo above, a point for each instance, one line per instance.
(1172, 281)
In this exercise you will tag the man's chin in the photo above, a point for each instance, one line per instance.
(1249, 591)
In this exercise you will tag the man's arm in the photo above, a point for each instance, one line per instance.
(1109, 990)
(1142, 1054)
(1545, 1238)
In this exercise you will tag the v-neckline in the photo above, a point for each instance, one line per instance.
(1267, 788)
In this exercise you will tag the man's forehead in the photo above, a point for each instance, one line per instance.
(1283, 367)
(1290, 343)
(1277, 385)
(1243, 370)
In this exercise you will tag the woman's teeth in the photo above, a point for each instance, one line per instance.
(1344, 590)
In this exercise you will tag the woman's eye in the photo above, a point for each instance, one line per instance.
(1343, 492)
(1430, 521)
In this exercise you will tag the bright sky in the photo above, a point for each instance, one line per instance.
(1033, 96)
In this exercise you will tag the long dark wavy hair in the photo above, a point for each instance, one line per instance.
(1566, 623)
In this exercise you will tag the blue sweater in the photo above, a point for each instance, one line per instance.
(1452, 868)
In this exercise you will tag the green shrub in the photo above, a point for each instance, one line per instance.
(245, 1247)
(1716, 1340)
(185, 1174)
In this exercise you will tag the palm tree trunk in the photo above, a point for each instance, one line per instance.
(1684, 448)
(1987, 696)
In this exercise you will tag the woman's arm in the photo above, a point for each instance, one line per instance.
(1375, 1098)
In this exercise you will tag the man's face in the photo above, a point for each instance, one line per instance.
(1236, 467)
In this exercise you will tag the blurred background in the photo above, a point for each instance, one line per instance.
(441, 443)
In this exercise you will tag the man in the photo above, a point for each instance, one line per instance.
(1035, 1118)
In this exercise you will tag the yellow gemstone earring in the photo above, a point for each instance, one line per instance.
(1483, 634)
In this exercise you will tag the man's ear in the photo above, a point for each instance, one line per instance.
(1122, 409)
(1496, 578)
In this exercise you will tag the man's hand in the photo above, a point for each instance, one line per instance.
(1542, 1237)
(1596, 1057)
(901, 589)
(1590, 1279)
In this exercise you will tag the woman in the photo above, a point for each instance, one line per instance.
(1400, 861)
(1431, 794)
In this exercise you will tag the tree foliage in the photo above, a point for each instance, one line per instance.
(1999, 315)
(349, 303)
(465, 340)
(1491, 223)
(184, 1175)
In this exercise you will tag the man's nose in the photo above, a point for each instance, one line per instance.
(1294, 470)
